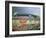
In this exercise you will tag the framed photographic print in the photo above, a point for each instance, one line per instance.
(24, 18)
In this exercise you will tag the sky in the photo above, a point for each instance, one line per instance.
(26, 10)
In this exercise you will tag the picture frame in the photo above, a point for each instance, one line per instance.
(23, 10)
